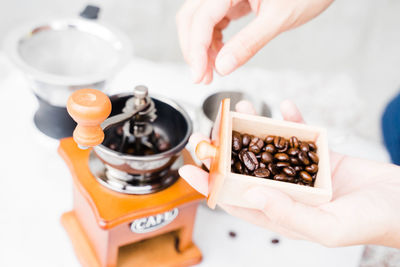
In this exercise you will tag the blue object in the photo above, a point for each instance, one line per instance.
(391, 129)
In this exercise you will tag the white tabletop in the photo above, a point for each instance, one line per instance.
(36, 188)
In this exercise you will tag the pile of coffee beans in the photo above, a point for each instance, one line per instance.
(275, 157)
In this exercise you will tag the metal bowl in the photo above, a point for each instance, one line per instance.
(145, 174)
(209, 108)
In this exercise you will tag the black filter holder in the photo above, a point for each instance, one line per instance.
(52, 120)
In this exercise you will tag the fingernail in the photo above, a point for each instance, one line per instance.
(244, 106)
(256, 198)
(225, 64)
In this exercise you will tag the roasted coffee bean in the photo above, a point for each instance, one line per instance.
(257, 141)
(262, 173)
(304, 158)
(269, 139)
(288, 160)
(305, 176)
(281, 177)
(289, 171)
(312, 145)
(246, 139)
(273, 168)
(241, 153)
(294, 142)
(266, 157)
(270, 148)
(236, 141)
(113, 146)
(254, 148)
(295, 161)
(313, 156)
(282, 156)
(239, 166)
(282, 164)
(119, 130)
(279, 142)
(298, 168)
(293, 151)
(250, 160)
(285, 147)
(304, 147)
(313, 168)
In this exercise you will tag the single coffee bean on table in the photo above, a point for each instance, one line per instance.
(275, 157)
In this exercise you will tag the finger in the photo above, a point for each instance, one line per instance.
(296, 217)
(194, 140)
(209, 14)
(290, 112)
(245, 106)
(245, 45)
(195, 177)
(183, 22)
(222, 24)
(258, 218)
(208, 77)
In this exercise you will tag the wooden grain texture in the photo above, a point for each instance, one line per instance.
(155, 252)
(112, 208)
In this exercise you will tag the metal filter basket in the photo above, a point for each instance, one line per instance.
(60, 56)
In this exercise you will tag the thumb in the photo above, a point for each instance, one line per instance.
(280, 209)
(245, 44)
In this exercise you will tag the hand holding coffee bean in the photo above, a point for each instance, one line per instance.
(247, 158)
(364, 208)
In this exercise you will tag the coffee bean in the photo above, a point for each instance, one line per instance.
(273, 169)
(289, 171)
(285, 147)
(298, 168)
(294, 142)
(269, 139)
(113, 146)
(281, 177)
(240, 155)
(270, 148)
(313, 168)
(305, 176)
(232, 234)
(282, 157)
(257, 141)
(279, 142)
(304, 158)
(282, 164)
(262, 165)
(250, 160)
(295, 161)
(232, 161)
(293, 151)
(254, 148)
(236, 141)
(313, 156)
(246, 140)
(312, 145)
(304, 147)
(262, 173)
(266, 157)
(239, 167)
(275, 241)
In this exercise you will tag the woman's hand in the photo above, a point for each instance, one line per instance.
(201, 22)
(364, 209)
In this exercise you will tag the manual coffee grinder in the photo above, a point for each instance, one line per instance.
(130, 208)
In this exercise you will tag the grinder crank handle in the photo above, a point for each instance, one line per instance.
(89, 108)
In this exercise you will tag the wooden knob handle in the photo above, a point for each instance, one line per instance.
(89, 108)
(205, 150)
